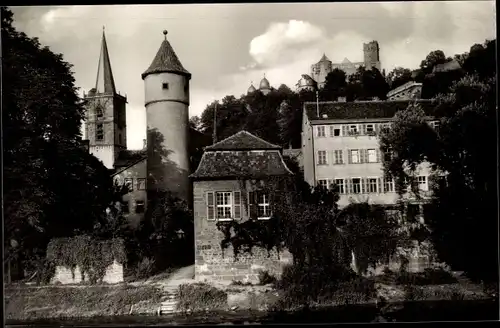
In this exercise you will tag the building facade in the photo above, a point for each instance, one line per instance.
(223, 192)
(371, 54)
(340, 146)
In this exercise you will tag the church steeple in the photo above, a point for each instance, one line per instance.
(104, 82)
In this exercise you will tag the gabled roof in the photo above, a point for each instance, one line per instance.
(166, 61)
(105, 82)
(241, 164)
(242, 140)
(362, 109)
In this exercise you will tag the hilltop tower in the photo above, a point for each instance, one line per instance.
(105, 117)
(166, 87)
(371, 53)
(320, 70)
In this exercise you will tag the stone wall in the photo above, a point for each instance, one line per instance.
(63, 275)
(214, 263)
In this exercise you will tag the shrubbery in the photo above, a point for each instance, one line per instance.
(430, 276)
(145, 268)
(199, 297)
(265, 278)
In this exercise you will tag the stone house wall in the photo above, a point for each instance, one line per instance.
(214, 263)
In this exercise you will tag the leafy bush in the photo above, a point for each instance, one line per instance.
(302, 286)
(199, 297)
(414, 293)
(428, 277)
(145, 268)
(265, 278)
(240, 283)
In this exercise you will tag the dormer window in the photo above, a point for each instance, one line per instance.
(165, 86)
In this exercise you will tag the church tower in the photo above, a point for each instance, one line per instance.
(166, 87)
(371, 52)
(105, 117)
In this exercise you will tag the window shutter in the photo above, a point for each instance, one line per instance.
(210, 206)
(362, 155)
(349, 185)
(349, 156)
(363, 129)
(364, 186)
(379, 185)
(332, 157)
(276, 201)
(377, 128)
(331, 130)
(344, 130)
(237, 204)
(377, 152)
(341, 156)
(382, 188)
(252, 204)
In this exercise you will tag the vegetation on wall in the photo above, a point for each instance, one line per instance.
(92, 257)
(462, 153)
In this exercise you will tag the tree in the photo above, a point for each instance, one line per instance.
(366, 85)
(461, 220)
(398, 76)
(49, 180)
(433, 58)
(335, 85)
(195, 123)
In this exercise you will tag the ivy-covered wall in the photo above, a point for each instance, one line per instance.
(213, 262)
(83, 259)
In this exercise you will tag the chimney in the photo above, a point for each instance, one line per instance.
(144, 143)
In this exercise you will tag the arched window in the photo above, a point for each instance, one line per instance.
(98, 112)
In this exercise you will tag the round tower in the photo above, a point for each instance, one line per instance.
(166, 96)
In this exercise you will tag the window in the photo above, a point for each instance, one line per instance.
(224, 205)
(372, 156)
(99, 113)
(165, 86)
(356, 186)
(124, 207)
(322, 157)
(334, 132)
(355, 156)
(323, 183)
(120, 138)
(263, 206)
(340, 185)
(99, 133)
(186, 86)
(388, 185)
(422, 182)
(141, 184)
(321, 131)
(353, 129)
(372, 185)
(338, 157)
(139, 206)
(129, 182)
(370, 129)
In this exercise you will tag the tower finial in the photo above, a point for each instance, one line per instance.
(165, 32)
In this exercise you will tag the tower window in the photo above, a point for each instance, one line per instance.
(99, 112)
(120, 138)
(186, 86)
(99, 133)
(165, 86)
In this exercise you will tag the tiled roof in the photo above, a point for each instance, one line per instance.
(241, 164)
(166, 61)
(362, 109)
(242, 140)
(129, 157)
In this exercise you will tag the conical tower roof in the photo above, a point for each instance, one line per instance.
(166, 61)
(104, 82)
(264, 83)
(251, 88)
(324, 59)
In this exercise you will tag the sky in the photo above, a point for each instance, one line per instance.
(227, 46)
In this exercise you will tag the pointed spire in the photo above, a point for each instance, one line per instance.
(104, 82)
(166, 61)
(324, 58)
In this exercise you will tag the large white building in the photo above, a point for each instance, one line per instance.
(340, 145)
